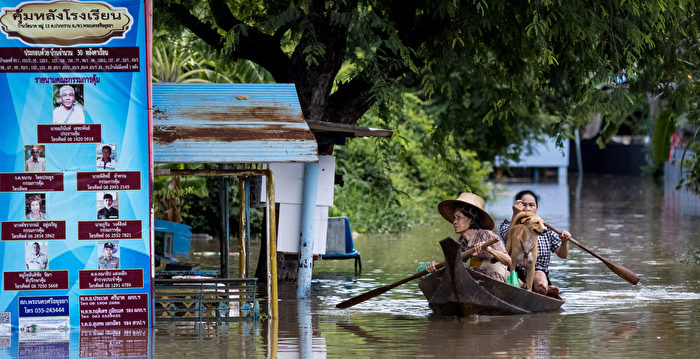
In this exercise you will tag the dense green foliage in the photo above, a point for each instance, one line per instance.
(495, 72)
(187, 59)
(460, 82)
(375, 170)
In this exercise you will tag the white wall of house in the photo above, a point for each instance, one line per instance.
(289, 184)
(544, 155)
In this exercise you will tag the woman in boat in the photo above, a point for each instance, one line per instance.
(528, 201)
(474, 226)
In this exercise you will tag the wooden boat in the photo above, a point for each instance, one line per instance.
(458, 290)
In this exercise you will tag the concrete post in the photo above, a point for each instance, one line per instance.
(306, 238)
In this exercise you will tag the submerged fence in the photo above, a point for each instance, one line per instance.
(205, 299)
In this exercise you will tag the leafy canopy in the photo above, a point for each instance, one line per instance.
(492, 72)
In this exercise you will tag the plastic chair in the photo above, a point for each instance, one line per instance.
(339, 244)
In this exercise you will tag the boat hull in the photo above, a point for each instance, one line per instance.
(460, 291)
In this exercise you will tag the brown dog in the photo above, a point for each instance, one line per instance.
(521, 243)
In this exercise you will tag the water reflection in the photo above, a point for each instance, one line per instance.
(648, 332)
(91, 343)
(491, 336)
(115, 343)
(39, 349)
(302, 340)
(193, 340)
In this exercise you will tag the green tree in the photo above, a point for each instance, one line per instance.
(374, 170)
(496, 71)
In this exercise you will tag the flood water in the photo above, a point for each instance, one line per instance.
(652, 230)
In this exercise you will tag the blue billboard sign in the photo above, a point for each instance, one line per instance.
(75, 166)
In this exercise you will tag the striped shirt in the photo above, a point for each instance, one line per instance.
(549, 240)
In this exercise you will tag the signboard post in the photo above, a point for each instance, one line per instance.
(75, 168)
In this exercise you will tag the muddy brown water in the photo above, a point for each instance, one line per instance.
(653, 230)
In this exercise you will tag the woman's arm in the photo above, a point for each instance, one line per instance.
(496, 250)
(489, 253)
(518, 207)
(563, 250)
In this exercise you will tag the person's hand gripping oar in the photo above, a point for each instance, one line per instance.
(381, 290)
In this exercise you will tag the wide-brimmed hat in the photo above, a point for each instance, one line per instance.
(447, 209)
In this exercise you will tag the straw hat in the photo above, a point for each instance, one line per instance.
(447, 209)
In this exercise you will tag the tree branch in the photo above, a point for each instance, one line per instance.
(222, 15)
(349, 102)
(256, 46)
(287, 26)
(265, 51)
(353, 99)
(203, 30)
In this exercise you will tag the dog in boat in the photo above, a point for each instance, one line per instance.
(521, 243)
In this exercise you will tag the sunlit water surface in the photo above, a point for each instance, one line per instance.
(627, 221)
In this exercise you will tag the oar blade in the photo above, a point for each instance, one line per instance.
(624, 273)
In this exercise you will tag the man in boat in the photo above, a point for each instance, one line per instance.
(474, 226)
(528, 201)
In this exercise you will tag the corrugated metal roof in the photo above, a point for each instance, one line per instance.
(230, 123)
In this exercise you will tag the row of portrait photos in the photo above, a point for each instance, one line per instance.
(35, 157)
(36, 255)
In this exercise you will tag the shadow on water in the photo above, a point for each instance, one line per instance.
(624, 219)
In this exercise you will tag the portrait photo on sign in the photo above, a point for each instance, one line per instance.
(36, 255)
(108, 255)
(106, 156)
(68, 101)
(107, 205)
(34, 158)
(35, 206)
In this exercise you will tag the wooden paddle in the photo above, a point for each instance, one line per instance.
(381, 290)
(623, 272)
